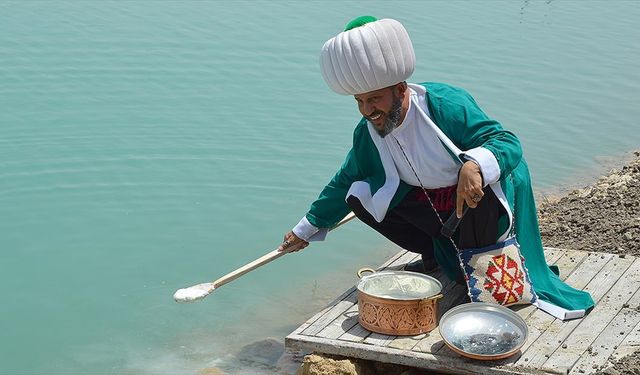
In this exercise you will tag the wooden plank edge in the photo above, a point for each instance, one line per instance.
(629, 345)
(451, 365)
(551, 254)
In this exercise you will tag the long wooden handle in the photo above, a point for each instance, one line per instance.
(273, 255)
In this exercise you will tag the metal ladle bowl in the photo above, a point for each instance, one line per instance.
(483, 331)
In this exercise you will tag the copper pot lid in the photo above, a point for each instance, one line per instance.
(400, 285)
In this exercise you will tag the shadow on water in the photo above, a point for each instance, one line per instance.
(267, 356)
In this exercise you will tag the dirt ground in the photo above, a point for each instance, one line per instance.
(604, 217)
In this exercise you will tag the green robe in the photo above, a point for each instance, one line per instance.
(463, 126)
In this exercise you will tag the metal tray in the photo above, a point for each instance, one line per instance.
(483, 331)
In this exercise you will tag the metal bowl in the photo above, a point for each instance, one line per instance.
(483, 331)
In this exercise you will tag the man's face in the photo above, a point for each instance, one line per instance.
(383, 108)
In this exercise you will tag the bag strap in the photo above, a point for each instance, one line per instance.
(429, 198)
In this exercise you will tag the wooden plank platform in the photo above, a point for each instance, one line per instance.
(581, 346)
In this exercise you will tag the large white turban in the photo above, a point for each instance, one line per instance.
(368, 57)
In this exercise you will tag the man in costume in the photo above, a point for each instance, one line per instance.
(420, 153)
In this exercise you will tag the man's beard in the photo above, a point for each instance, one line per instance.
(393, 117)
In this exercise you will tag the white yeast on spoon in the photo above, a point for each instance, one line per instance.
(193, 293)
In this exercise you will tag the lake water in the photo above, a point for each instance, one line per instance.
(147, 146)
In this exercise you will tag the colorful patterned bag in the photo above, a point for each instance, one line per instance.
(497, 274)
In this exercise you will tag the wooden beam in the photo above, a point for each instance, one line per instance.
(442, 364)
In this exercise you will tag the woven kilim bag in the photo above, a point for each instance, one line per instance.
(497, 274)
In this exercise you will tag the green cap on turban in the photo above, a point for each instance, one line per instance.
(359, 22)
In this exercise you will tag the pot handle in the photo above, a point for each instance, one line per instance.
(432, 298)
(361, 271)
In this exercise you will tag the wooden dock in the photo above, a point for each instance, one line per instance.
(578, 346)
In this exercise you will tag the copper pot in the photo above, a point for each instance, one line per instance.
(398, 302)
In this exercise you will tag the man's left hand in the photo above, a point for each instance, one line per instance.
(469, 187)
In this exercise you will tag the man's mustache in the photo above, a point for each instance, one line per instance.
(374, 114)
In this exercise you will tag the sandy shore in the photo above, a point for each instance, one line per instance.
(603, 217)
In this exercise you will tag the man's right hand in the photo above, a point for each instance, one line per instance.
(292, 243)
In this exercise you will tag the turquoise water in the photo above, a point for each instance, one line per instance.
(149, 146)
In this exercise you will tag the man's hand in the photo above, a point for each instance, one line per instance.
(292, 243)
(469, 187)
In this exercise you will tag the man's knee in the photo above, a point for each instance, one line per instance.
(357, 208)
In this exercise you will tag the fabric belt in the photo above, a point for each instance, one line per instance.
(443, 199)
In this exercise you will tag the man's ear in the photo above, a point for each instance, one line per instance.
(402, 88)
